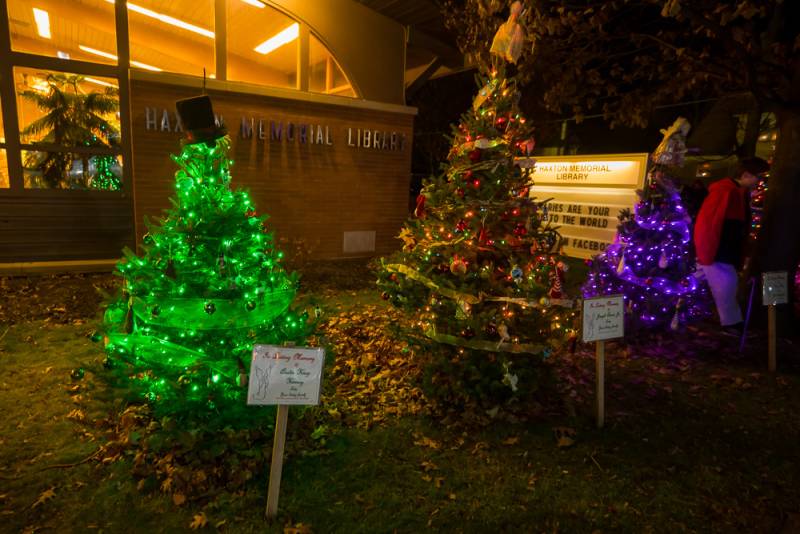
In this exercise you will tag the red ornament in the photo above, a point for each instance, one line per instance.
(520, 230)
(476, 183)
(419, 211)
(393, 277)
(483, 236)
(460, 192)
(556, 277)
(385, 295)
(458, 266)
(475, 155)
(523, 193)
(468, 175)
(461, 226)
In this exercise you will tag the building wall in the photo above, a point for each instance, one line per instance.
(63, 225)
(313, 192)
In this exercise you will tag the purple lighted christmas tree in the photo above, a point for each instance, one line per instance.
(652, 259)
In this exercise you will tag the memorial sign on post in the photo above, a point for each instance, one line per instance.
(283, 376)
(603, 319)
(774, 291)
(587, 193)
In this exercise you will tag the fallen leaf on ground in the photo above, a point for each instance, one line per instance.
(45, 496)
(299, 528)
(199, 521)
(564, 436)
(427, 465)
(77, 415)
(511, 441)
(178, 498)
(427, 442)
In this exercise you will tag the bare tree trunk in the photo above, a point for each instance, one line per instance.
(751, 131)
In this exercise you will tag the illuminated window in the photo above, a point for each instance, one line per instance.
(324, 74)
(175, 36)
(262, 45)
(78, 29)
(4, 183)
(69, 130)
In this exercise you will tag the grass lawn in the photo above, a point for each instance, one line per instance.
(697, 437)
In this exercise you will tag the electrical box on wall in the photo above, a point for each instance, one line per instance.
(355, 242)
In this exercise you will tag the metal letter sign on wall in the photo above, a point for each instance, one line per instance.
(587, 194)
(277, 131)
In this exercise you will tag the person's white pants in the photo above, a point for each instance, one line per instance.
(722, 280)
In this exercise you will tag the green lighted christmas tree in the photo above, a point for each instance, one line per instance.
(208, 286)
(105, 178)
(477, 271)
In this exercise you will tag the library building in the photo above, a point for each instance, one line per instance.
(312, 95)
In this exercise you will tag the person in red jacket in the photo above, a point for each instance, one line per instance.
(720, 234)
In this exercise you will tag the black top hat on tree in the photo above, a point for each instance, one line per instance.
(197, 117)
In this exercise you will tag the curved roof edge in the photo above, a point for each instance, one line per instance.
(369, 47)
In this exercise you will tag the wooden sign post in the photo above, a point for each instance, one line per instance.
(774, 291)
(603, 319)
(283, 376)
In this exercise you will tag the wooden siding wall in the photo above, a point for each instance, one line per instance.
(63, 225)
(311, 192)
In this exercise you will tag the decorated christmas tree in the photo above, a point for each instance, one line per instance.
(105, 178)
(207, 286)
(477, 274)
(651, 261)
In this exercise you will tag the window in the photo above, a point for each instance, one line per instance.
(324, 74)
(262, 45)
(69, 130)
(78, 29)
(175, 36)
(4, 182)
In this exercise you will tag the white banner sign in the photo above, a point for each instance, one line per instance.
(775, 288)
(587, 194)
(603, 318)
(285, 375)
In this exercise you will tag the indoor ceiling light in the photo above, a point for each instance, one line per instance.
(112, 56)
(42, 19)
(168, 20)
(279, 39)
(254, 3)
(98, 52)
(100, 82)
(145, 66)
(39, 85)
